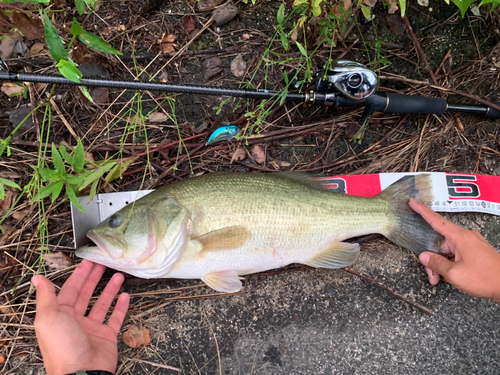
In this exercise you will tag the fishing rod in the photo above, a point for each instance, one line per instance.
(346, 84)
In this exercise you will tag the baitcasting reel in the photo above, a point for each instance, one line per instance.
(350, 79)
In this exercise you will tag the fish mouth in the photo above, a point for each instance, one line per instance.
(95, 239)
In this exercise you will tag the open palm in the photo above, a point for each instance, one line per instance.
(69, 340)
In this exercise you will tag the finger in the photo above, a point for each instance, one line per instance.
(46, 300)
(103, 303)
(436, 221)
(88, 288)
(437, 263)
(433, 276)
(118, 316)
(71, 288)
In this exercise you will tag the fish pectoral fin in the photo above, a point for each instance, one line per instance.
(337, 255)
(223, 239)
(223, 281)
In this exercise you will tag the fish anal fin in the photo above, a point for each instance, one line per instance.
(223, 239)
(337, 255)
(223, 281)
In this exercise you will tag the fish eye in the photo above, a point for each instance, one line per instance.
(114, 220)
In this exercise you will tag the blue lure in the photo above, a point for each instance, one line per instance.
(224, 133)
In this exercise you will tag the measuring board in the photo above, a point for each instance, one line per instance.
(453, 192)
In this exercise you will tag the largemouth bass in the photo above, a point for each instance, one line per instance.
(220, 226)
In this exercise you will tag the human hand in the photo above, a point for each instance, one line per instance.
(70, 341)
(473, 264)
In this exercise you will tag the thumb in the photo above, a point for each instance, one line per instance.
(46, 299)
(436, 263)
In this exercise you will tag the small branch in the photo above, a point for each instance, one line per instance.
(419, 50)
(410, 302)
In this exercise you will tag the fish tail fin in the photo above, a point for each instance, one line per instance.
(410, 230)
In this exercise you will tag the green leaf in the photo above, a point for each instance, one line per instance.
(402, 6)
(97, 43)
(284, 40)
(9, 183)
(67, 157)
(93, 190)
(316, 7)
(80, 6)
(118, 170)
(69, 70)
(45, 173)
(54, 41)
(2, 192)
(367, 13)
(57, 160)
(463, 5)
(302, 49)
(97, 174)
(44, 192)
(72, 198)
(76, 29)
(281, 13)
(56, 190)
(79, 157)
(75, 180)
(86, 93)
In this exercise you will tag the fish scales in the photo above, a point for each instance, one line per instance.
(232, 224)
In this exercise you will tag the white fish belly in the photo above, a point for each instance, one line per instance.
(256, 256)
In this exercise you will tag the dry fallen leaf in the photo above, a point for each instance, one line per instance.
(258, 154)
(10, 175)
(393, 6)
(370, 3)
(36, 49)
(225, 13)
(7, 46)
(459, 124)
(31, 27)
(57, 261)
(210, 67)
(20, 215)
(99, 94)
(295, 33)
(396, 24)
(206, 5)
(283, 163)
(246, 36)
(167, 44)
(157, 117)
(136, 337)
(239, 155)
(6, 203)
(238, 66)
(189, 24)
(11, 88)
(2, 359)
(135, 120)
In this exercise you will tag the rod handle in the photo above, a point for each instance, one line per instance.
(397, 103)
(492, 113)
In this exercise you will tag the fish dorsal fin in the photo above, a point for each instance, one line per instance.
(305, 179)
(225, 238)
(337, 255)
(223, 281)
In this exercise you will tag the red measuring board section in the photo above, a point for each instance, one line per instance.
(478, 187)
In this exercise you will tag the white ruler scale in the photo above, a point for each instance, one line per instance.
(453, 192)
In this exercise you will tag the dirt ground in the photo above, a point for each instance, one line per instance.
(297, 320)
